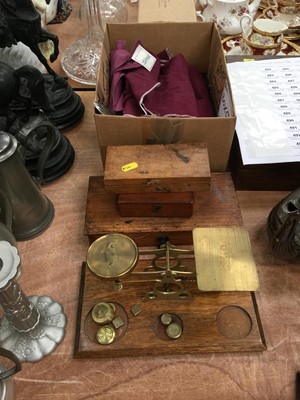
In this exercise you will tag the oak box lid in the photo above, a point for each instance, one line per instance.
(157, 168)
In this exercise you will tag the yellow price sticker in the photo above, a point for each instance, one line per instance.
(129, 167)
(248, 59)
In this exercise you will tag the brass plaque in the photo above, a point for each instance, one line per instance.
(224, 260)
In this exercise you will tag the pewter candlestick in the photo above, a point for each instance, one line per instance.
(31, 327)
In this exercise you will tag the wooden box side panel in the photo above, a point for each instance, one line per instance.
(156, 205)
(165, 198)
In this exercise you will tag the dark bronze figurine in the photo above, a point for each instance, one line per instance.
(21, 22)
(283, 227)
(22, 88)
(35, 106)
(24, 103)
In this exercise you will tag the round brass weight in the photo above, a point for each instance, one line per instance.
(103, 312)
(112, 256)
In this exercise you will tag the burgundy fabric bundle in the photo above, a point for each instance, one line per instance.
(172, 88)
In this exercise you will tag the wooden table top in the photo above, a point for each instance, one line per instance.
(52, 265)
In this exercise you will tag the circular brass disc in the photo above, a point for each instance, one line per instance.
(166, 319)
(106, 334)
(112, 256)
(174, 330)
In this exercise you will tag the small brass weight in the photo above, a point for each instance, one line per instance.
(115, 256)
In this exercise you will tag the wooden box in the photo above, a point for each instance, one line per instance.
(182, 167)
(279, 176)
(179, 204)
(216, 207)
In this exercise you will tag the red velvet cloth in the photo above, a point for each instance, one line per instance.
(172, 87)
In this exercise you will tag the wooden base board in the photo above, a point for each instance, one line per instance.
(211, 321)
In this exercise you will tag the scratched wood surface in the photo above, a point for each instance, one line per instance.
(180, 167)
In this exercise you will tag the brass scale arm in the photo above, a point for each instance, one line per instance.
(115, 257)
(168, 283)
(222, 256)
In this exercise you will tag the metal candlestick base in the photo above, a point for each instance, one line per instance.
(32, 326)
(40, 341)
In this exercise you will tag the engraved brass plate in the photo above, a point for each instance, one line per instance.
(112, 256)
(223, 260)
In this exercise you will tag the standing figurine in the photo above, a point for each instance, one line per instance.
(21, 22)
(25, 85)
(283, 227)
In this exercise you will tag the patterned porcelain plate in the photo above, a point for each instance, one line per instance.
(290, 20)
(231, 46)
(263, 4)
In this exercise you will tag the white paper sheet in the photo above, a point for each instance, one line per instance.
(266, 95)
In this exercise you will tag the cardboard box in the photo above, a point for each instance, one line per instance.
(167, 11)
(201, 45)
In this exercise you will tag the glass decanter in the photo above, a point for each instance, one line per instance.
(81, 59)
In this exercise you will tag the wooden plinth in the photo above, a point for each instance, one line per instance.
(211, 321)
(216, 207)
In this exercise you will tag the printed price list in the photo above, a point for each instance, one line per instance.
(283, 84)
